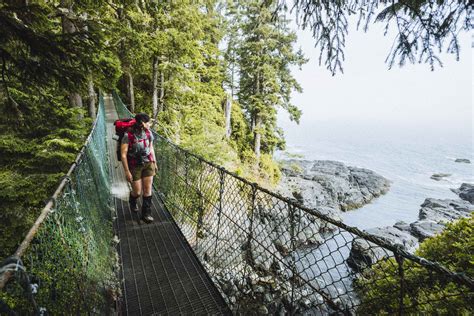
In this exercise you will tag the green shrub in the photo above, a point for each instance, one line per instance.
(426, 292)
(19, 195)
(269, 169)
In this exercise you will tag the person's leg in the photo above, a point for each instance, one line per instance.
(135, 194)
(147, 183)
(136, 188)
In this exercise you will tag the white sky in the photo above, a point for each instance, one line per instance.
(369, 93)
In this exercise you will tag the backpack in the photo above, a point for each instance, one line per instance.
(122, 126)
(136, 158)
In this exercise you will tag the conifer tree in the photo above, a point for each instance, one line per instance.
(232, 36)
(265, 56)
(157, 45)
(129, 28)
(68, 27)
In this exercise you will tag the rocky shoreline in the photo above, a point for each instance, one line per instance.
(433, 217)
(256, 271)
(330, 186)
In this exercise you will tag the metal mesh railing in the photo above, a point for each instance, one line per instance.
(268, 254)
(66, 263)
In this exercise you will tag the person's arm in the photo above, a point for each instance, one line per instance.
(124, 151)
(152, 151)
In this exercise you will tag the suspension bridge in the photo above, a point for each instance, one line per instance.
(219, 245)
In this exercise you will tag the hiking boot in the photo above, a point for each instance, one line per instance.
(132, 200)
(146, 210)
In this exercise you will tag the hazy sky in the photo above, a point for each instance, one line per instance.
(412, 97)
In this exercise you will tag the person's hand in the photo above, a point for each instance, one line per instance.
(129, 177)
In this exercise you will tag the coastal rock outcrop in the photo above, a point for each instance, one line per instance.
(465, 192)
(263, 237)
(257, 241)
(330, 185)
(433, 217)
(435, 214)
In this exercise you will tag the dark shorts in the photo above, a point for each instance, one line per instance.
(143, 171)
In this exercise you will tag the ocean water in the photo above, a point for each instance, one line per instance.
(406, 157)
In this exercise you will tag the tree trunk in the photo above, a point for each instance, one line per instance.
(68, 26)
(92, 98)
(232, 79)
(75, 99)
(155, 87)
(162, 91)
(232, 82)
(131, 93)
(126, 82)
(227, 114)
(160, 97)
(258, 136)
(257, 123)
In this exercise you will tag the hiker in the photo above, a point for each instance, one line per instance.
(139, 163)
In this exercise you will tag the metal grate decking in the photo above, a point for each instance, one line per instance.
(161, 274)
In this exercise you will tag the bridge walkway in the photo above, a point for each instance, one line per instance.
(161, 275)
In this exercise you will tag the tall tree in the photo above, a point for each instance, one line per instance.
(157, 44)
(265, 56)
(232, 37)
(68, 27)
(129, 36)
(185, 75)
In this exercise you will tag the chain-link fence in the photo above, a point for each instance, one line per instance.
(68, 259)
(268, 254)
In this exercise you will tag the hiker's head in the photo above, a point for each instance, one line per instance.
(141, 121)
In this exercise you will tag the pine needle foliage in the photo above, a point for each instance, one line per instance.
(424, 28)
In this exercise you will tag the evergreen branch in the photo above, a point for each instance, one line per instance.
(4, 68)
(11, 100)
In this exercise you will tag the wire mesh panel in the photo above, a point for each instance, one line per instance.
(268, 254)
(69, 266)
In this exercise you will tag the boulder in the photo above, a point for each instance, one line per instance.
(462, 160)
(423, 229)
(436, 213)
(401, 225)
(439, 176)
(445, 210)
(364, 253)
(465, 192)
